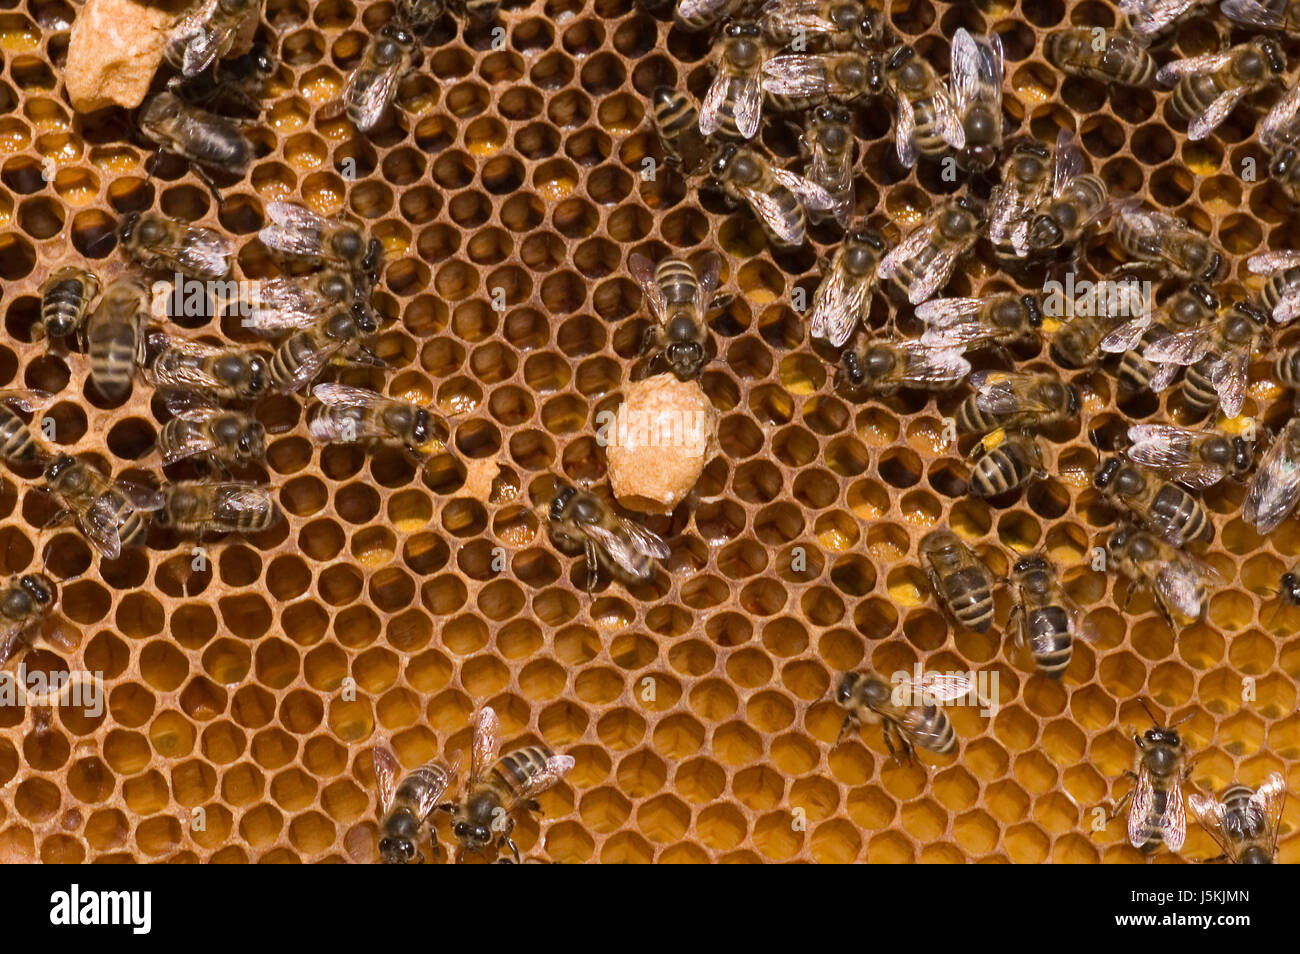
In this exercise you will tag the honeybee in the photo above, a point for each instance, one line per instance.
(828, 140)
(1196, 459)
(1274, 490)
(1281, 292)
(288, 304)
(115, 340)
(678, 301)
(1079, 200)
(733, 105)
(777, 197)
(373, 84)
(843, 299)
(25, 604)
(906, 712)
(1279, 133)
(1263, 14)
(1216, 357)
(1050, 621)
(1005, 465)
(404, 808)
(303, 355)
(212, 433)
(1077, 343)
(927, 121)
(206, 33)
(970, 323)
(1165, 509)
(696, 15)
(923, 262)
(111, 513)
(203, 138)
(1208, 87)
(65, 300)
(295, 232)
(677, 121)
(880, 366)
(1176, 579)
(1012, 400)
(235, 85)
(18, 445)
(220, 373)
(580, 520)
(421, 15)
(1168, 242)
(1156, 812)
(1027, 178)
(1244, 822)
(155, 241)
(1110, 57)
(193, 506)
(796, 81)
(831, 24)
(977, 91)
(962, 583)
(497, 788)
(349, 414)
(1190, 307)
(1147, 19)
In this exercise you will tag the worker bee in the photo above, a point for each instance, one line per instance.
(824, 24)
(580, 520)
(1156, 812)
(1168, 242)
(733, 105)
(677, 121)
(349, 414)
(25, 605)
(1165, 509)
(233, 86)
(1106, 56)
(970, 323)
(678, 303)
(1050, 621)
(1244, 822)
(776, 196)
(115, 340)
(18, 445)
(1005, 464)
(696, 15)
(962, 583)
(977, 91)
(65, 300)
(373, 84)
(927, 121)
(111, 513)
(923, 262)
(404, 807)
(298, 233)
(797, 81)
(1077, 343)
(156, 241)
(1079, 200)
(828, 140)
(1147, 19)
(1279, 133)
(203, 138)
(880, 366)
(1026, 181)
(1208, 87)
(1176, 579)
(201, 430)
(1196, 459)
(1188, 308)
(843, 299)
(303, 355)
(221, 373)
(1012, 400)
(497, 788)
(1275, 488)
(1216, 357)
(193, 506)
(282, 305)
(907, 712)
(206, 33)
(1281, 291)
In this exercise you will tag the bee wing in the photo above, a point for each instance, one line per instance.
(311, 366)
(1149, 17)
(1279, 124)
(714, 100)
(293, 230)
(191, 406)
(1270, 799)
(486, 745)
(692, 9)
(919, 729)
(1275, 488)
(948, 120)
(1127, 336)
(1148, 226)
(1068, 161)
(646, 541)
(810, 193)
(1164, 376)
(1252, 13)
(386, 769)
(768, 209)
(1166, 447)
(343, 394)
(627, 549)
(707, 274)
(1265, 263)
(25, 399)
(1144, 797)
(1181, 348)
(995, 392)
(1177, 585)
(795, 74)
(748, 106)
(428, 796)
(557, 766)
(945, 687)
(1201, 65)
(286, 306)
(643, 270)
(905, 132)
(839, 303)
(1229, 377)
(948, 312)
(195, 442)
(369, 92)
(205, 253)
(976, 68)
(926, 365)
(1205, 122)
(99, 523)
(909, 247)
(1210, 812)
(936, 273)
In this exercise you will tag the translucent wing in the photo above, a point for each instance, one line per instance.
(945, 687)
(1173, 823)
(1182, 348)
(707, 274)
(1177, 585)
(557, 766)
(976, 68)
(935, 274)
(1205, 122)
(948, 120)
(769, 210)
(643, 270)
(1210, 812)
(628, 549)
(695, 9)
(311, 366)
(1069, 161)
(99, 524)
(748, 105)
(204, 253)
(1149, 17)
(1279, 124)
(714, 100)
(1166, 447)
(25, 399)
(948, 312)
(1164, 376)
(1275, 489)
(1229, 377)
(486, 745)
(1144, 797)
(927, 366)
(905, 132)
(293, 230)
(192, 406)
(386, 769)
(1194, 66)
(1266, 263)
(194, 443)
(911, 246)
(369, 93)
(1252, 13)
(346, 395)
(810, 193)
(284, 305)
(1127, 336)
(794, 74)
(1270, 799)
(840, 303)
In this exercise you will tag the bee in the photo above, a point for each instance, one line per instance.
(1156, 812)
(843, 299)
(970, 323)
(1050, 621)
(498, 787)
(220, 373)
(303, 355)
(1111, 57)
(776, 196)
(677, 121)
(1244, 822)
(18, 445)
(1027, 177)
(962, 583)
(1005, 465)
(115, 339)
(977, 91)
(212, 433)
(1281, 291)
(25, 604)
(235, 85)
(927, 121)
(696, 15)
(193, 506)
(1166, 509)
(205, 34)
(65, 300)
(283, 305)
(797, 81)
(155, 241)
(1079, 200)
(907, 712)
(297, 233)
(733, 105)
(829, 24)
(1263, 14)
(1147, 19)
(923, 262)
(111, 513)
(1216, 357)
(373, 84)
(204, 138)
(404, 807)
(1011, 400)
(1077, 343)
(828, 140)
(1275, 488)
(1196, 459)
(880, 366)
(349, 414)
(1176, 579)
(1168, 242)
(1190, 307)
(1208, 87)
(421, 15)
(580, 520)
(678, 301)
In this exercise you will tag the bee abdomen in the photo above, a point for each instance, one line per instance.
(1287, 368)
(64, 307)
(1151, 837)
(112, 358)
(16, 440)
(1198, 390)
(937, 731)
(515, 770)
(1050, 641)
(1000, 471)
(970, 599)
(1179, 510)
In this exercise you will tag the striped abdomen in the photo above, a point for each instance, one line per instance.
(1150, 831)
(1047, 630)
(513, 771)
(66, 300)
(17, 442)
(1285, 284)
(1287, 368)
(1002, 469)
(1134, 371)
(931, 729)
(1178, 510)
(294, 351)
(969, 598)
(112, 346)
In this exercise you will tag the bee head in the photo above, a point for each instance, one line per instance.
(1027, 565)
(260, 59)
(127, 228)
(259, 375)
(1159, 756)
(374, 255)
(983, 156)
(1106, 475)
(685, 357)
(1273, 52)
(1201, 297)
(59, 466)
(852, 368)
(252, 440)
(1045, 233)
(844, 691)
(1252, 312)
(724, 159)
(564, 493)
(1291, 587)
(471, 835)
(1282, 163)
(363, 318)
(1255, 855)
(972, 207)
(396, 851)
(1033, 309)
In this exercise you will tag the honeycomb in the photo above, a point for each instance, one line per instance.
(394, 601)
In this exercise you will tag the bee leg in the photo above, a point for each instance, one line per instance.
(533, 805)
(207, 181)
(844, 728)
(1118, 808)
(514, 849)
(591, 565)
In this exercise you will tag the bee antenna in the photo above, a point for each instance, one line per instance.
(1143, 703)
